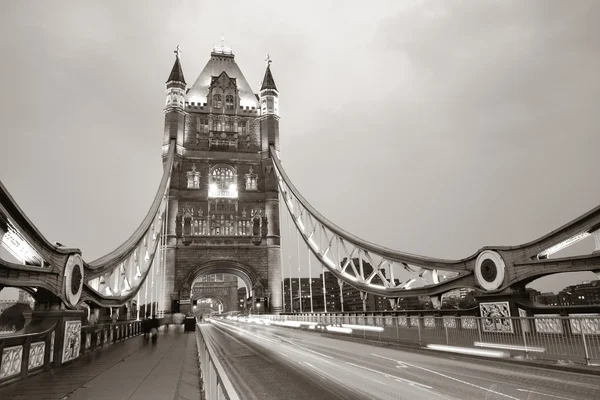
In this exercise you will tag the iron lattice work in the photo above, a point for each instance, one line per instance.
(386, 272)
(59, 272)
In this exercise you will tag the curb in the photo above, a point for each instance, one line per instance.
(415, 348)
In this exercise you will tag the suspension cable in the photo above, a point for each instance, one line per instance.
(290, 266)
(299, 272)
(324, 291)
(281, 263)
(310, 279)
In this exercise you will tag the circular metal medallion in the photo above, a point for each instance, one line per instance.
(73, 282)
(490, 270)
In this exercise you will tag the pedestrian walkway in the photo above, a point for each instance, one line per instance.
(128, 370)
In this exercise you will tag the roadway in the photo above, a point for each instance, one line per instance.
(270, 362)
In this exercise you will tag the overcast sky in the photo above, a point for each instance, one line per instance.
(432, 127)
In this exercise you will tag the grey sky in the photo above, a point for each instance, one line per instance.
(441, 126)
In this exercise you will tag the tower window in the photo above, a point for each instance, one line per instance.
(222, 182)
(193, 178)
(264, 106)
(203, 125)
(242, 129)
(217, 101)
(251, 180)
(229, 102)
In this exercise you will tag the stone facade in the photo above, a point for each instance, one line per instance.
(223, 214)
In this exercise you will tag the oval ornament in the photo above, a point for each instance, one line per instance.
(490, 270)
(73, 282)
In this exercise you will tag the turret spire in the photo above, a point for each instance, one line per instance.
(268, 82)
(176, 73)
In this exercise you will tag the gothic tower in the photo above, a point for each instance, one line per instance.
(223, 214)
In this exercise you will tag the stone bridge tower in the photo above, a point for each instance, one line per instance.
(223, 214)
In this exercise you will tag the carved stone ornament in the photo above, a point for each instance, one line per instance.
(495, 317)
(73, 279)
(72, 341)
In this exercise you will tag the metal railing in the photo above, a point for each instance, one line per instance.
(214, 382)
(574, 338)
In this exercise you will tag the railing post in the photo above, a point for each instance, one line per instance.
(446, 330)
(524, 337)
(419, 328)
(397, 329)
(585, 348)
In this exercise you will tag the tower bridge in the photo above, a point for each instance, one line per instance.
(218, 211)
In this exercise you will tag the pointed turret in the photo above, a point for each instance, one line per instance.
(175, 104)
(269, 96)
(268, 81)
(269, 110)
(176, 73)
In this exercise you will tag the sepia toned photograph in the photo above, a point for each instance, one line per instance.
(318, 200)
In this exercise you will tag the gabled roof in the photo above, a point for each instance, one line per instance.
(218, 64)
(268, 81)
(176, 73)
(216, 78)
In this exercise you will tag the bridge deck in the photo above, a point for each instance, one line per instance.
(126, 370)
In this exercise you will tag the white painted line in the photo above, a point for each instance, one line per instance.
(461, 381)
(400, 363)
(545, 394)
(412, 383)
(316, 352)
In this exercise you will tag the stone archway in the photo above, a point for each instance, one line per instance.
(246, 273)
(220, 299)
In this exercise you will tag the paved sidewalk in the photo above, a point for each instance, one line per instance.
(128, 370)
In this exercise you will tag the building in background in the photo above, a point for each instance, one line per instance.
(586, 293)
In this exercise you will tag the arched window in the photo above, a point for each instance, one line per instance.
(263, 106)
(251, 180)
(193, 178)
(229, 102)
(217, 101)
(222, 182)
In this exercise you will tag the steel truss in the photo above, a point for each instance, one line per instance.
(375, 269)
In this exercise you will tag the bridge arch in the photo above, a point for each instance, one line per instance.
(243, 271)
(216, 297)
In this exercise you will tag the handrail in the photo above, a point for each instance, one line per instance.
(216, 381)
(129, 245)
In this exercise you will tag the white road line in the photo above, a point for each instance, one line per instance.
(413, 383)
(461, 381)
(316, 352)
(400, 363)
(545, 394)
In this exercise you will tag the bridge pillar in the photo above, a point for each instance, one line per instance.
(170, 252)
(273, 241)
